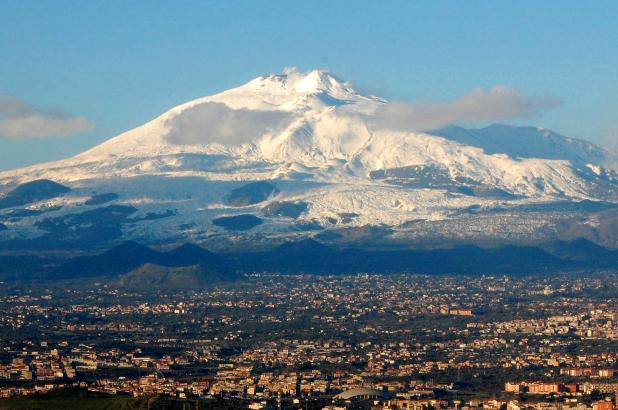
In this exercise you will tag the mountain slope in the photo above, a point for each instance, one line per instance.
(527, 142)
(130, 256)
(150, 277)
(310, 139)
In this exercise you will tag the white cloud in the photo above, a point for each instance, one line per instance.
(216, 122)
(21, 121)
(498, 104)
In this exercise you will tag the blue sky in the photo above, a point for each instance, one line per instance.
(112, 65)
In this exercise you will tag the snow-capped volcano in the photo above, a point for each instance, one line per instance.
(328, 163)
(267, 108)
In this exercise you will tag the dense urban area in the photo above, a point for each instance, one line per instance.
(278, 341)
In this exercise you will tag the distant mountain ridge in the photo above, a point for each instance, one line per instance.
(136, 267)
(129, 256)
(527, 142)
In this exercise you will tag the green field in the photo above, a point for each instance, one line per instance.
(77, 399)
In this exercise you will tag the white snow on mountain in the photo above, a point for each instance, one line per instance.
(313, 135)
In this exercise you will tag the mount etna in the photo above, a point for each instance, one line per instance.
(299, 172)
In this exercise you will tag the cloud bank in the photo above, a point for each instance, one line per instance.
(498, 104)
(22, 121)
(216, 122)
